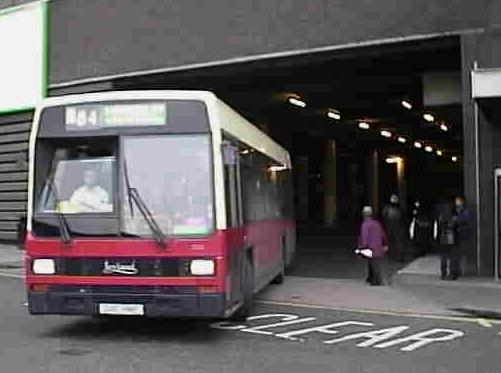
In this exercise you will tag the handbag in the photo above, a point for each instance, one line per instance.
(364, 252)
(447, 237)
(412, 229)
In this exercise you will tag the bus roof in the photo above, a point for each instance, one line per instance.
(221, 116)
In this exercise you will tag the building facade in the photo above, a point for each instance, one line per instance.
(94, 45)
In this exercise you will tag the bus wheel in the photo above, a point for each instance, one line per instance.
(246, 309)
(279, 279)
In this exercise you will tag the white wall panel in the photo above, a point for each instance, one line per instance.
(22, 75)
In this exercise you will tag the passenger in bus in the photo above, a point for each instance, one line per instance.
(90, 197)
(394, 221)
(373, 238)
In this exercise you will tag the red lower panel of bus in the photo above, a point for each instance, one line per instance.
(84, 282)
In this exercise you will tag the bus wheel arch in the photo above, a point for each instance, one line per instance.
(280, 277)
(245, 309)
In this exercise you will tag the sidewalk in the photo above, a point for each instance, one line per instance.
(416, 288)
(10, 256)
(468, 295)
(349, 295)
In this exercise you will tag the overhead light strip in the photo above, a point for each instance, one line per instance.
(296, 102)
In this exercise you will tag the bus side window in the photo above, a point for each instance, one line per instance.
(248, 183)
(232, 184)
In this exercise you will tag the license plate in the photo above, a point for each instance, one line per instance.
(121, 309)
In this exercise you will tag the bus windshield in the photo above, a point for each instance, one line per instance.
(172, 174)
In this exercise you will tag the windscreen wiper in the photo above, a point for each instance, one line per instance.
(64, 229)
(134, 196)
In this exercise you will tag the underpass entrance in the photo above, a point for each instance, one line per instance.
(360, 125)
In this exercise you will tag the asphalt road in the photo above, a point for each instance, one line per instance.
(281, 338)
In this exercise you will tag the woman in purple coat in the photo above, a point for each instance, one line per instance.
(373, 237)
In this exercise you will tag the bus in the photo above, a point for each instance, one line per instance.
(154, 203)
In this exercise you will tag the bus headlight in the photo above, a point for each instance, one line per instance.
(44, 266)
(202, 267)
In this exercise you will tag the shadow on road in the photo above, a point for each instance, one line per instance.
(136, 328)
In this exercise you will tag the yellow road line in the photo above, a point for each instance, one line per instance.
(485, 322)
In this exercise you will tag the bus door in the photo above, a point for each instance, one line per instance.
(234, 220)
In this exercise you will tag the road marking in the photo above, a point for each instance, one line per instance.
(383, 312)
(422, 339)
(12, 275)
(259, 329)
(325, 329)
(373, 336)
(382, 338)
(484, 322)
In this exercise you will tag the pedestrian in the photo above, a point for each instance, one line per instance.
(393, 218)
(373, 238)
(444, 234)
(462, 220)
(453, 228)
(419, 229)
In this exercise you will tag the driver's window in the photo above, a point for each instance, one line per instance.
(79, 185)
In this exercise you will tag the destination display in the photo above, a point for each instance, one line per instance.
(99, 116)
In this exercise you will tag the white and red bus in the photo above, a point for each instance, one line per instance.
(155, 203)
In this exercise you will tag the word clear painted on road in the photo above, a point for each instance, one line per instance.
(353, 330)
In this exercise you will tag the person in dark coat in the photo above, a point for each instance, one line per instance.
(462, 220)
(373, 239)
(445, 237)
(394, 221)
(454, 226)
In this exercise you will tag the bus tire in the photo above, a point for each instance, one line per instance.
(245, 309)
(280, 278)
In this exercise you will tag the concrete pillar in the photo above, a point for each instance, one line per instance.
(373, 179)
(401, 182)
(330, 183)
(302, 188)
(481, 151)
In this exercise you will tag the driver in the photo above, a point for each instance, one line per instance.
(90, 197)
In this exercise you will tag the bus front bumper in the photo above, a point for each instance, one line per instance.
(152, 305)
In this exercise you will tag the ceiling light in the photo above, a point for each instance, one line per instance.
(277, 168)
(296, 102)
(444, 128)
(363, 125)
(439, 152)
(428, 148)
(393, 159)
(334, 114)
(402, 140)
(406, 104)
(418, 145)
(428, 117)
(454, 159)
(385, 133)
